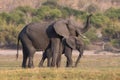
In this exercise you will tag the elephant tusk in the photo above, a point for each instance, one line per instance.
(82, 36)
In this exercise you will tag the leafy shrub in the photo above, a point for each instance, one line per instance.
(70, 11)
(113, 13)
(92, 8)
(47, 12)
(111, 30)
(99, 20)
(8, 34)
(91, 34)
(25, 9)
(115, 43)
(4, 16)
(51, 3)
(16, 18)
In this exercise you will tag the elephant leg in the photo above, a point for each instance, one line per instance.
(42, 60)
(31, 55)
(49, 56)
(49, 62)
(30, 63)
(25, 56)
(80, 55)
(59, 60)
(68, 54)
(69, 62)
(55, 50)
(59, 56)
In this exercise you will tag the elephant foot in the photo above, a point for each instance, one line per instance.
(24, 66)
(30, 66)
(75, 66)
(53, 64)
(70, 65)
(40, 65)
(58, 66)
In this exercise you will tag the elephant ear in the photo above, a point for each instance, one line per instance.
(60, 28)
(71, 42)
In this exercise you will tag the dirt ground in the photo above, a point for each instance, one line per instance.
(86, 52)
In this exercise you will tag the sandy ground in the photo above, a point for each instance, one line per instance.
(86, 52)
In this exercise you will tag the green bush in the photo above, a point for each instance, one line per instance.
(51, 3)
(18, 16)
(5, 16)
(92, 8)
(111, 29)
(25, 9)
(67, 12)
(115, 43)
(91, 34)
(8, 34)
(113, 13)
(47, 12)
(99, 20)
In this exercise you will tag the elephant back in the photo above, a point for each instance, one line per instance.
(36, 32)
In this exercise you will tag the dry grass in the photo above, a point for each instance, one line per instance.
(91, 67)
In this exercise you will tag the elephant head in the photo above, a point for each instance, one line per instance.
(66, 28)
(75, 43)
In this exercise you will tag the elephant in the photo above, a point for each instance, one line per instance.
(37, 36)
(68, 45)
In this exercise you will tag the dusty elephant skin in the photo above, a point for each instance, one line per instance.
(69, 44)
(40, 35)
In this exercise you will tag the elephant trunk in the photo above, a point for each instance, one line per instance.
(87, 26)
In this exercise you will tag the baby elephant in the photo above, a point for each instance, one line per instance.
(67, 46)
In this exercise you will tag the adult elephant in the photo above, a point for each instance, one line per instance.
(68, 45)
(37, 37)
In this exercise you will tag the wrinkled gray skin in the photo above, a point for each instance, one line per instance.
(37, 37)
(68, 45)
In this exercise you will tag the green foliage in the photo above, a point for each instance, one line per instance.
(113, 13)
(17, 16)
(91, 34)
(99, 20)
(47, 12)
(4, 16)
(51, 3)
(92, 8)
(8, 34)
(115, 43)
(111, 29)
(67, 12)
(25, 9)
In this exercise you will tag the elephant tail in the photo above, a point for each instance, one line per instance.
(17, 48)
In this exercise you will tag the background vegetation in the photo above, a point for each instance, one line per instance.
(108, 22)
